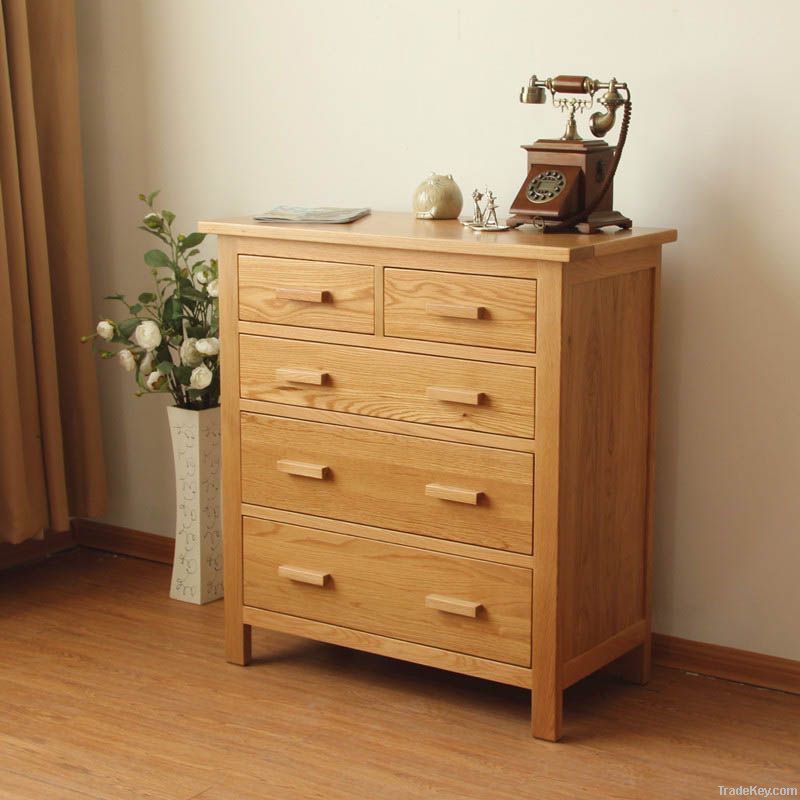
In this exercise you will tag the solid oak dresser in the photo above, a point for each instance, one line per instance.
(438, 445)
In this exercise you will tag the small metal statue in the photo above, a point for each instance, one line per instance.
(484, 219)
(477, 215)
(491, 212)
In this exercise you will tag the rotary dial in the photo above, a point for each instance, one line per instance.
(545, 186)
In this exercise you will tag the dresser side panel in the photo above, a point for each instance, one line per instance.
(237, 633)
(605, 450)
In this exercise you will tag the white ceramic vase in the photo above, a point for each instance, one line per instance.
(197, 569)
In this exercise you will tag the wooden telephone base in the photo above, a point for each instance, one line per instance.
(581, 167)
(593, 223)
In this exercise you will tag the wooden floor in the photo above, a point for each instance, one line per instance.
(108, 689)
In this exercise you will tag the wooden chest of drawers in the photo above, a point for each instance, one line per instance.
(439, 446)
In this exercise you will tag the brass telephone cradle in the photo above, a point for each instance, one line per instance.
(570, 180)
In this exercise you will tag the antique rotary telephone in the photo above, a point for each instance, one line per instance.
(570, 180)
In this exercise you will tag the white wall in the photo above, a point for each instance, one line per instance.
(234, 106)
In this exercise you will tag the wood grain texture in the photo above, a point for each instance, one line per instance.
(381, 588)
(495, 398)
(237, 633)
(402, 231)
(604, 451)
(386, 535)
(546, 711)
(455, 605)
(455, 494)
(420, 430)
(394, 648)
(623, 642)
(729, 663)
(318, 294)
(448, 350)
(109, 689)
(466, 309)
(115, 539)
(302, 469)
(379, 479)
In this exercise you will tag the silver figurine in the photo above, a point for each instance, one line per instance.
(485, 219)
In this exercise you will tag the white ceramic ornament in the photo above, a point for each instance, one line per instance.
(438, 197)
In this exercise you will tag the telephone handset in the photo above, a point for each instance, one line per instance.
(569, 184)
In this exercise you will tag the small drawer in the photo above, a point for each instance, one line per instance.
(463, 309)
(309, 294)
(454, 393)
(478, 495)
(445, 601)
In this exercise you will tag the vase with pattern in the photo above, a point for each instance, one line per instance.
(197, 568)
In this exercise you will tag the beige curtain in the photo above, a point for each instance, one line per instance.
(51, 465)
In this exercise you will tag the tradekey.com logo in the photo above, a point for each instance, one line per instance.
(758, 791)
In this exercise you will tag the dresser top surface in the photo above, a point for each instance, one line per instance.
(403, 231)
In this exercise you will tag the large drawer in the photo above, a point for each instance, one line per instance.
(494, 398)
(445, 601)
(310, 294)
(460, 492)
(464, 309)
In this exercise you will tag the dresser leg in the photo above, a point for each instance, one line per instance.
(238, 638)
(546, 713)
(635, 666)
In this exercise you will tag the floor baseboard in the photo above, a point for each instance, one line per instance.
(729, 663)
(13, 555)
(115, 539)
(668, 651)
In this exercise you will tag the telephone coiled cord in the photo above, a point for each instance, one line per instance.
(583, 215)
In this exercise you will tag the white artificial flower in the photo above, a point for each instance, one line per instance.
(189, 353)
(146, 367)
(213, 288)
(201, 377)
(208, 347)
(155, 380)
(105, 329)
(126, 360)
(201, 277)
(147, 335)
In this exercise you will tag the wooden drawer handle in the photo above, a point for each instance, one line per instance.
(304, 295)
(317, 471)
(462, 312)
(452, 605)
(303, 575)
(453, 493)
(466, 396)
(312, 376)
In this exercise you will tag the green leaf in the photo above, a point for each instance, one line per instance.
(192, 240)
(192, 252)
(152, 196)
(157, 258)
(128, 326)
(168, 216)
(115, 297)
(196, 331)
(147, 297)
(165, 367)
(188, 292)
(183, 374)
(135, 308)
(172, 313)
